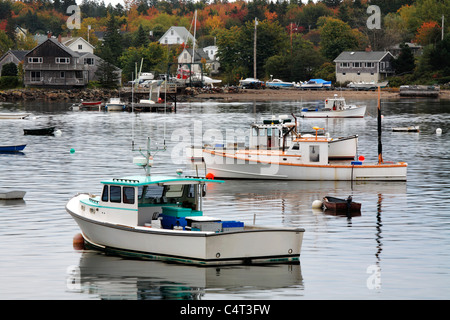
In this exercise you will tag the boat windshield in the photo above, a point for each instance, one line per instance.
(159, 194)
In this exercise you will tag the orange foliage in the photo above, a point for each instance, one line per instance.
(428, 33)
(271, 16)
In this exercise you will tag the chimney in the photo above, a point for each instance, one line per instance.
(49, 34)
(369, 48)
(59, 38)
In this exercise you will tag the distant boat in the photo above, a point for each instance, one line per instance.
(40, 131)
(90, 103)
(341, 205)
(335, 108)
(250, 83)
(406, 129)
(11, 149)
(115, 104)
(367, 85)
(316, 84)
(277, 83)
(13, 115)
(12, 195)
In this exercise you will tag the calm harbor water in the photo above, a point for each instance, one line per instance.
(398, 248)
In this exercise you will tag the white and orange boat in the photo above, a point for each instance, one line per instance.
(307, 158)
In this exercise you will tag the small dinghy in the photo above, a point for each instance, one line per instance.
(341, 205)
(12, 149)
(406, 129)
(12, 195)
(40, 131)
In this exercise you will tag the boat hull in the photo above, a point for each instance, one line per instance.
(8, 149)
(230, 166)
(340, 205)
(357, 112)
(253, 245)
(40, 131)
(14, 115)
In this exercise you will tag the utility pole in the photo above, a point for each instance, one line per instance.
(254, 51)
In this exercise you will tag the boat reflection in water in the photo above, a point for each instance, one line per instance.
(115, 278)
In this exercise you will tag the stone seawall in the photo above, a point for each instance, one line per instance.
(70, 95)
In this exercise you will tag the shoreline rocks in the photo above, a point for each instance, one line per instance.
(30, 94)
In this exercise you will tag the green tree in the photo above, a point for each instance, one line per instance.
(111, 48)
(405, 61)
(9, 69)
(107, 73)
(141, 38)
(337, 36)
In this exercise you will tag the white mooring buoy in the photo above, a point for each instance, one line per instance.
(438, 131)
(317, 204)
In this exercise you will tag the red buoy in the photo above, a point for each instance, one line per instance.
(78, 242)
(209, 176)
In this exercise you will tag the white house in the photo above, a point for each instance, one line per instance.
(176, 35)
(78, 44)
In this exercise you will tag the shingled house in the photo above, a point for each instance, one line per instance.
(52, 64)
(363, 66)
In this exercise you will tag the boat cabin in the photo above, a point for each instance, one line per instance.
(311, 150)
(269, 134)
(136, 201)
(335, 103)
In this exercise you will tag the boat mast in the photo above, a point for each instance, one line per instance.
(380, 151)
(254, 51)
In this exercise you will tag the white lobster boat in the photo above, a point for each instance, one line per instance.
(335, 108)
(308, 158)
(161, 218)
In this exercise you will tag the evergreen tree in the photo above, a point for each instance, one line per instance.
(141, 38)
(405, 61)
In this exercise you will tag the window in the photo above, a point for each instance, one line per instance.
(62, 74)
(62, 60)
(171, 32)
(178, 39)
(89, 61)
(35, 60)
(105, 193)
(344, 64)
(128, 195)
(35, 76)
(314, 153)
(80, 47)
(174, 191)
(150, 194)
(369, 64)
(115, 194)
(357, 64)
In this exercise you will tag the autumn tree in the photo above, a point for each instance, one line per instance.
(428, 33)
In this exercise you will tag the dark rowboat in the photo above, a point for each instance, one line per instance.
(91, 103)
(40, 131)
(341, 205)
(17, 148)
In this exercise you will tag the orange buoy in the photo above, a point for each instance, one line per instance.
(209, 176)
(78, 242)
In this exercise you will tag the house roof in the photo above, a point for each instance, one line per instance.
(374, 56)
(59, 44)
(19, 54)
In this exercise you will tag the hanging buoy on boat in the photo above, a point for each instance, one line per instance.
(78, 242)
(317, 204)
(361, 158)
(438, 131)
(209, 176)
